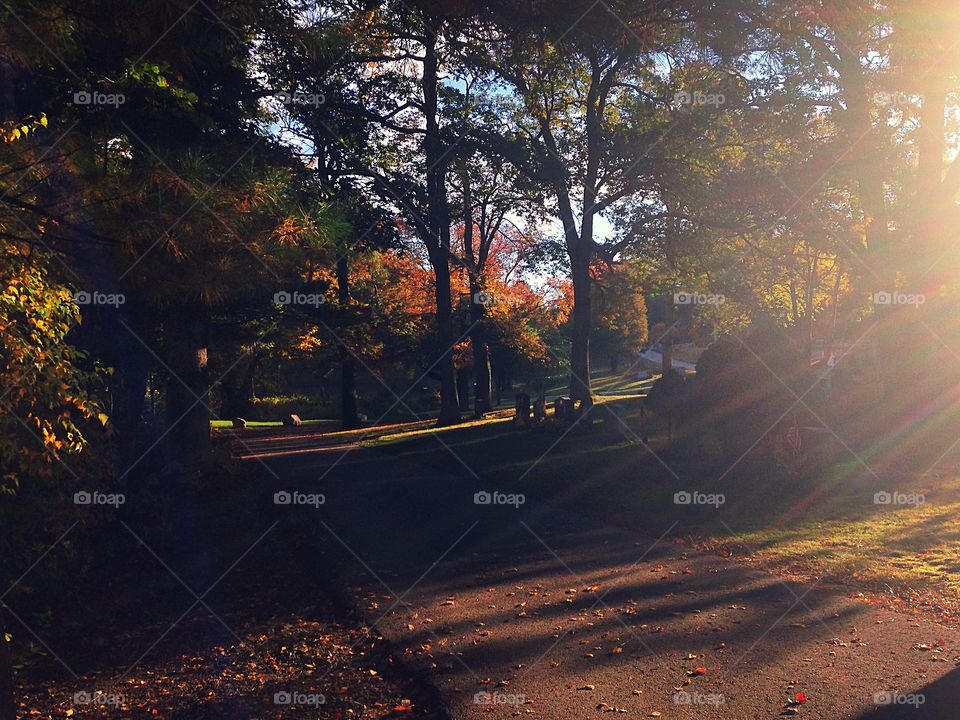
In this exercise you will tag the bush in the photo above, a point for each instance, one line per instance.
(745, 387)
(670, 396)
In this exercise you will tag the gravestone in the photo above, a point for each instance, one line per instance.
(523, 408)
(239, 423)
(292, 421)
(540, 410)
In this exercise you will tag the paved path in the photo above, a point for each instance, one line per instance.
(554, 615)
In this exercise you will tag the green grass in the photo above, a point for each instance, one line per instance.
(604, 384)
(254, 424)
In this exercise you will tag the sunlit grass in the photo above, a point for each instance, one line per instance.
(255, 424)
(899, 549)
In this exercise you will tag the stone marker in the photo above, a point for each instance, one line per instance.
(523, 408)
(540, 410)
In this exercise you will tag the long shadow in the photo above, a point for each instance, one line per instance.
(939, 700)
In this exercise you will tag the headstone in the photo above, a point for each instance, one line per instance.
(239, 423)
(523, 407)
(292, 421)
(563, 409)
(540, 410)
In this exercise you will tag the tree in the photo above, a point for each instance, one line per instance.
(620, 314)
(491, 196)
(410, 148)
(587, 106)
(49, 401)
(308, 61)
(170, 197)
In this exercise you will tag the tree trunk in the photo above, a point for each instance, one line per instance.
(580, 350)
(463, 388)
(187, 401)
(7, 703)
(666, 343)
(438, 217)
(478, 329)
(349, 417)
(129, 383)
(449, 402)
(581, 252)
(481, 355)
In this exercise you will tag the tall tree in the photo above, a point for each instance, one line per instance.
(587, 107)
(395, 78)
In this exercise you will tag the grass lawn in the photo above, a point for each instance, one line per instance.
(825, 528)
(253, 424)
(605, 384)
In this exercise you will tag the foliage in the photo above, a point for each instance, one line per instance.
(49, 387)
(745, 387)
(620, 314)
